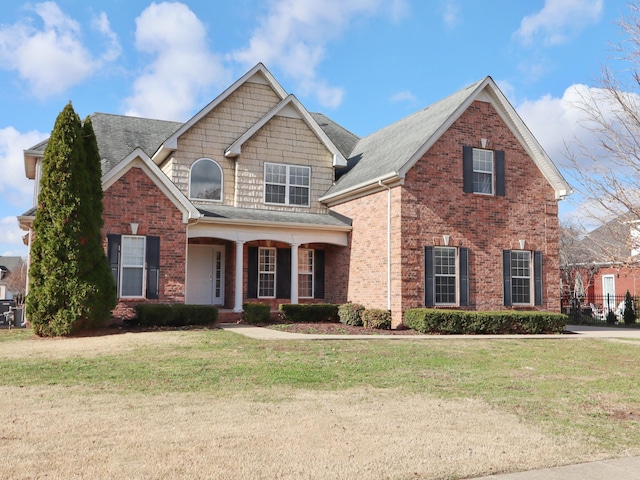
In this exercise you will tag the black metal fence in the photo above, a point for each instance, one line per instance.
(599, 310)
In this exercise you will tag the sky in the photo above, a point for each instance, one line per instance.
(363, 63)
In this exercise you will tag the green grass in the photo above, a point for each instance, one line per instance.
(570, 386)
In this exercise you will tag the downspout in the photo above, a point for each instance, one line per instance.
(388, 243)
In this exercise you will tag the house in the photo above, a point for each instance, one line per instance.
(610, 261)
(257, 199)
(7, 266)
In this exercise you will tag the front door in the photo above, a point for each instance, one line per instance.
(205, 275)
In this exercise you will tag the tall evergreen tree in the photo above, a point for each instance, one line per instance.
(67, 292)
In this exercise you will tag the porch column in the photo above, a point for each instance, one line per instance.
(238, 289)
(294, 273)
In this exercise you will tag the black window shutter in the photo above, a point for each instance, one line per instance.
(252, 272)
(463, 260)
(428, 276)
(537, 278)
(506, 276)
(467, 169)
(153, 267)
(500, 180)
(113, 255)
(283, 273)
(318, 274)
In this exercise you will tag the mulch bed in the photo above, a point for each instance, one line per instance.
(329, 328)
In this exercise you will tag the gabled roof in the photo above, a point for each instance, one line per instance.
(388, 154)
(342, 138)
(117, 136)
(616, 241)
(138, 158)
(284, 107)
(10, 264)
(260, 71)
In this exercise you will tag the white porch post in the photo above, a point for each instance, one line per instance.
(238, 289)
(294, 273)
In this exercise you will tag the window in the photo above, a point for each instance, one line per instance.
(520, 277)
(482, 171)
(305, 273)
(522, 272)
(205, 182)
(446, 276)
(135, 265)
(267, 272)
(132, 265)
(444, 259)
(286, 184)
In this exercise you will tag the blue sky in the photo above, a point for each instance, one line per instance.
(364, 63)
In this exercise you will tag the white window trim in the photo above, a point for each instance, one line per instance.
(313, 265)
(457, 278)
(287, 185)
(531, 279)
(274, 273)
(123, 266)
(493, 171)
(208, 200)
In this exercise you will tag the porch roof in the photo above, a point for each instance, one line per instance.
(229, 214)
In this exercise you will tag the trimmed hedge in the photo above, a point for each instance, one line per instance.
(376, 318)
(174, 315)
(253, 313)
(351, 314)
(429, 320)
(314, 312)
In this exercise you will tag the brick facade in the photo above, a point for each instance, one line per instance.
(135, 198)
(431, 203)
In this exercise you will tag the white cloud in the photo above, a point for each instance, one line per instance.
(51, 58)
(183, 67)
(15, 188)
(10, 234)
(295, 33)
(451, 13)
(404, 96)
(559, 20)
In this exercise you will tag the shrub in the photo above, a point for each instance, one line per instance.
(629, 310)
(429, 320)
(174, 315)
(350, 314)
(253, 313)
(611, 318)
(316, 312)
(376, 318)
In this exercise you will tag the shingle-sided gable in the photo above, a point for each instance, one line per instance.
(257, 75)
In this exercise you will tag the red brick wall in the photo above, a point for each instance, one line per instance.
(432, 203)
(135, 198)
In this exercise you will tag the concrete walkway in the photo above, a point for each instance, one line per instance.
(619, 469)
(578, 331)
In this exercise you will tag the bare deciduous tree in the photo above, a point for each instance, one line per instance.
(607, 166)
(17, 282)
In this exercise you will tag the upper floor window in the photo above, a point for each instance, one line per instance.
(483, 171)
(286, 184)
(205, 181)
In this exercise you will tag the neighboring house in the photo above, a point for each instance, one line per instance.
(256, 199)
(7, 266)
(613, 251)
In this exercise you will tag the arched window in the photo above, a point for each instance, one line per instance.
(205, 181)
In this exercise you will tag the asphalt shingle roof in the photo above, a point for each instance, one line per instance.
(272, 216)
(389, 149)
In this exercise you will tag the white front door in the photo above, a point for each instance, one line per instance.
(205, 275)
(609, 292)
